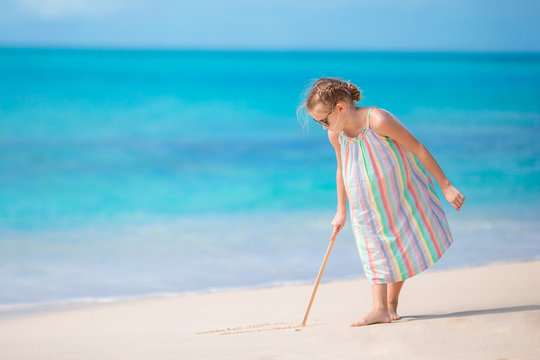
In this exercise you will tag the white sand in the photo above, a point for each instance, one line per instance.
(490, 312)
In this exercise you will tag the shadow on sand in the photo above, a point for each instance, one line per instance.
(472, 312)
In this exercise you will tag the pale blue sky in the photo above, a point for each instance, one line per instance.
(463, 25)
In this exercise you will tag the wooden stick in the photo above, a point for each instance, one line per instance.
(332, 240)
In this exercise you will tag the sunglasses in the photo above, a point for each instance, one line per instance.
(324, 121)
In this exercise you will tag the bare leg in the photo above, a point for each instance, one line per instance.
(379, 310)
(392, 299)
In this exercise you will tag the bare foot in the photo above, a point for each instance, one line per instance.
(374, 316)
(392, 310)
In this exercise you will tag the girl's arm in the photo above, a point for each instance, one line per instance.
(341, 214)
(386, 124)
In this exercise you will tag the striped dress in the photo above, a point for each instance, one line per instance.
(397, 218)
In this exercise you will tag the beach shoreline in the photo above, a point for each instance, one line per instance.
(9, 311)
(490, 311)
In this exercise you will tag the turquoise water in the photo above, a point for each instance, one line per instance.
(128, 173)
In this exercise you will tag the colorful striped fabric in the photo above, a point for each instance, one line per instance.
(397, 218)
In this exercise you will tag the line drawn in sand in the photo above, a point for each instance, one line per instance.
(272, 326)
(254, 328)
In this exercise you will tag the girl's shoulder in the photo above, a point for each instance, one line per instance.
(333, 136)
(376, 114)
(380, 119)
(388, 125)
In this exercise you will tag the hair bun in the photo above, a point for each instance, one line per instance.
(355, 93)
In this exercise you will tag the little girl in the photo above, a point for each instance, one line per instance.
(397, 218)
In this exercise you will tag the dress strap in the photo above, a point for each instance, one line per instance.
(367, 122)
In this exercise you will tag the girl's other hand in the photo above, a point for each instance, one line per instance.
(454, 197)
(339, 221)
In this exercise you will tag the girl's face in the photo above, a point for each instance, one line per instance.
(329, 120)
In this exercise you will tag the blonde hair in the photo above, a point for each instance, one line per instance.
(327, 92)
